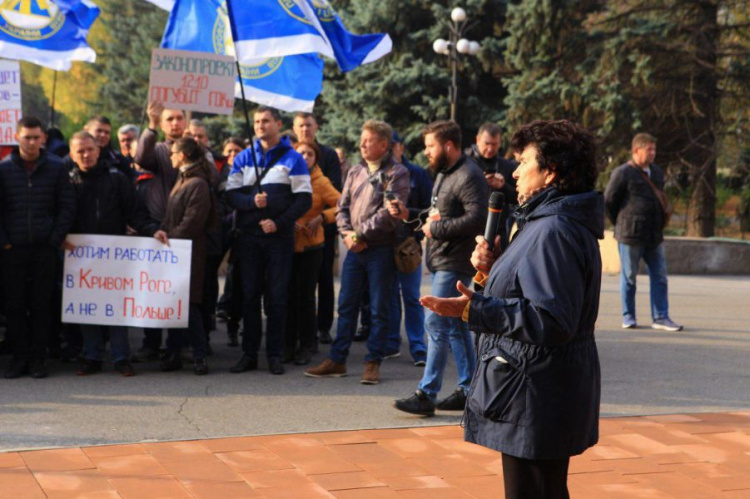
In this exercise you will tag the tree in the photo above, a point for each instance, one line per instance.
(619, 67)
(409, 87)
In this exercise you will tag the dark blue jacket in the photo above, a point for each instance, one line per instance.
(538, 313)
(420, 194)
(287, 185)
(35, 209)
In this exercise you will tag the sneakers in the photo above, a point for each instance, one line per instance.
(371, 375)
(327, 369)
(16, 369)
(246, 363)
(456, 401)
(125, 368)
(392, 355)
(302, 357)
(628, 322)
(666, 324)
(89, 367)
(420, 363)
(419, 404)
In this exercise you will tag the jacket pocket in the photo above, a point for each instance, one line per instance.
(499, 393)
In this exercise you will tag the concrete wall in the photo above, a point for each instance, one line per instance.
(687, 255)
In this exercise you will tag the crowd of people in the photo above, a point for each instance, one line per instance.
(274, 210)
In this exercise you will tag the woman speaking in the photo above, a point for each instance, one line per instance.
(535, 393)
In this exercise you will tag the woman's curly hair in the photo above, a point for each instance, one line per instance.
(565, 148)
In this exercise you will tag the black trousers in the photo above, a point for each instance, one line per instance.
(300, 318)
(210, 292)
(326, 296)
(29, 282)
(535, 479)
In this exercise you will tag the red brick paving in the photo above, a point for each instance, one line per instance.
(674, 456)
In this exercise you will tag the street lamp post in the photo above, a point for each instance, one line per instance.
(455, 46)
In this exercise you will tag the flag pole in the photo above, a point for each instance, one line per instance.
(249, 128)
(52, 104)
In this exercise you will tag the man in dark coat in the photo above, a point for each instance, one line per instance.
(633, 206)
(458, 215)
(498, 172)
(105, 205)
(37, 207)
(305, 127)
(100, 127)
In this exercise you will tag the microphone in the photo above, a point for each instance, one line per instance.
(497, 200)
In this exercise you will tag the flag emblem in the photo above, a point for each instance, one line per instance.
(30, 19)
(224, 44)
(322, 9)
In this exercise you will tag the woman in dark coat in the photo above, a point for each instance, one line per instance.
(535, 394)
(189, 214)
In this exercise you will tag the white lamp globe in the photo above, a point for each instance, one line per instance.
(463, 46)
(458, 15)
(474, 48)
(440, 46)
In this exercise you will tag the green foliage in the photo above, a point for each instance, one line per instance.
(409, 87)
(133, 30)
(743, 210)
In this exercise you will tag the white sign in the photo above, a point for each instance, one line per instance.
(126, 281)
(192, 81)
(10, 100)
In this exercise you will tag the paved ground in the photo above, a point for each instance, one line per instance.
(656, 457)
(702, 369)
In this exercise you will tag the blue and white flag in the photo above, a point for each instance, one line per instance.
(284, 27)
(50, 33)
(289, 83)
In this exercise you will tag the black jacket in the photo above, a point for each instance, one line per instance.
(106, 202)
(498, 164)
(35, 209)
(633, 206)
(461, 196)
(538, 313)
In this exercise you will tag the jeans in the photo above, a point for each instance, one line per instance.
(29, 287)
(447, 333)
(656, 263)
(178, 337)
(406, 287)
(265, 266)
(93, 342)
(375, 268)
(326, 297)
(301, 323)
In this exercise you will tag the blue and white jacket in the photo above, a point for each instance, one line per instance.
(287, 185)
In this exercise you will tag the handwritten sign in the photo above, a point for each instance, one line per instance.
(10, 100)
(126, 281)
(193, 81)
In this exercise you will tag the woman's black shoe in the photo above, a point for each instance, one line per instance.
(325, 337)
(171, 362)
(201, 367)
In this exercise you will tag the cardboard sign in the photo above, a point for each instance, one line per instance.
(126, 281)
(10, 100)
(193, 81)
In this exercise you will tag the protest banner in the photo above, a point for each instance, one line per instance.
(126, 281)
(193, 81)
(10, 100)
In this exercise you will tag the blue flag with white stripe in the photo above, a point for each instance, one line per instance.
(284, 27)
(290, 83)
(50, 33)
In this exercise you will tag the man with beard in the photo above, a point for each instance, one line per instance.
(458, 215)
